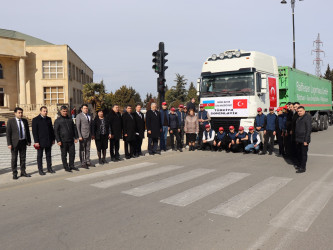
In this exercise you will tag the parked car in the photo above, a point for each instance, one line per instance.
(2, 127)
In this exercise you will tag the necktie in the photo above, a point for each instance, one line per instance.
(87, 117)
(20, 132)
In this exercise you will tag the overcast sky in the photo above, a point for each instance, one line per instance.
(116, 38)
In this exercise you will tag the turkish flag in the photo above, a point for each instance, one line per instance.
(272, 92)
(239, 104)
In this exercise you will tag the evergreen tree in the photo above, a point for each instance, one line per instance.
(125, 95)
(192, 93)
(180, 90)
(329, 76)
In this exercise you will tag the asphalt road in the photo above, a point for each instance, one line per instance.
(189, 200)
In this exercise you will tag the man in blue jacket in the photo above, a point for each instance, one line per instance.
(270, 131)
(259, 124)
(281, 130)
(165, 125)
(181, 118)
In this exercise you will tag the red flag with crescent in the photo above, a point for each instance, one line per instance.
(272, 92)
(239, 104)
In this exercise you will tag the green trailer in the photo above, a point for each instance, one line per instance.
(312, 92)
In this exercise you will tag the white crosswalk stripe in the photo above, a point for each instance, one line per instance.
(245, 201)
(300, 213)
(168, 182)
(196, 193)
(133, 177)
(110, 172)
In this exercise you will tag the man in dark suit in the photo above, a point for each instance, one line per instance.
(129, 130)
(140, 129)
(43, 133)
(18, 137)
(116, 125)
(154, 128)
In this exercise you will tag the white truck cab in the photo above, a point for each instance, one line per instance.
(234, 83)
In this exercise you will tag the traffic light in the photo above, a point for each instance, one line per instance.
(157, 60)
(161, 85)
(164, 54)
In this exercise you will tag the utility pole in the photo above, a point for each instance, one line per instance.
(318, 50)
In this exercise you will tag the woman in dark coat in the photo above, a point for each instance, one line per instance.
(101, 133)
(129, 131)
(154, 127)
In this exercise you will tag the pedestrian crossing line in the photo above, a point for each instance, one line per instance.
(134, 177)
(196, 193)
(168, 182)
(245, 201)
(300, 213)
(110, 172)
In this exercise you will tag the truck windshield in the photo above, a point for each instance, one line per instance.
(239, 85)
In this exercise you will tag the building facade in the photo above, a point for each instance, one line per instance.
(35, 73)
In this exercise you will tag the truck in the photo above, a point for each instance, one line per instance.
(234, 83)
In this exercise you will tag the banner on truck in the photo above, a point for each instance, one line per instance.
(272, 92)
(226, 106)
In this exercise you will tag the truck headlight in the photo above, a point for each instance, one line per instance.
(229, 54)
(238, 53)
(214, 57)
(221, 56)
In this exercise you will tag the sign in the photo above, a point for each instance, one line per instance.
(272, 92)
(226, 106)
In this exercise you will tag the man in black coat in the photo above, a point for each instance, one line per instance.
(140, 129)
(293, 133)
(66, 135)
(43, 133)
(18, 137)
(129, 131)
(191, 105)
(302, 138)
(116, 125)
(154, 128)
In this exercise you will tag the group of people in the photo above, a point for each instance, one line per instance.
(292, 127)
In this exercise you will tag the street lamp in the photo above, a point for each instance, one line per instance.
(293, 15)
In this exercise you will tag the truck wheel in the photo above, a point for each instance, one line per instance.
(325, 122)
(321, 123)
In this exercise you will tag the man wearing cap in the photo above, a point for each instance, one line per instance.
(174, 130)
(203, 118)
(259, 124)
(208, 138)
(241, 140)
(220, 140)
(253, 141)
(281, 130)
(270, 131)
(165, 125)
(181, 118)
(231, 139)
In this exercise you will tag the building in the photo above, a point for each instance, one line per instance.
(34, 72)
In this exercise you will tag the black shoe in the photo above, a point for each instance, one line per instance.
(300, 171)
(15, 177)
(140, 154)
(180, 150)
(118, 158)
(270, 153)
(25, 175)
(151, 153)
(92, 165)
(113, 159)
(68, 170)
(74, 168)
(134, 156)
(157, 153)
(104, 161)
(127, 157)
(51, 171)
(42, 173)
(84, 166)
(100, 162)
(262, 153)
(174, 149)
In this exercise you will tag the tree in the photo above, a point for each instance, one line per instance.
(192, 93)
(149, 96)
(329, 76)
(94, 93)
(126, 96)
(179, 89)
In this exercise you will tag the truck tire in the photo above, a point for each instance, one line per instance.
(321, 123)
(325, 122)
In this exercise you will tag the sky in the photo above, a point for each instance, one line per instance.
(116, 38)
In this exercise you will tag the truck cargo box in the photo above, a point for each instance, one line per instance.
(312, 92)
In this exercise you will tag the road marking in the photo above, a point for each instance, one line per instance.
(321, 155)
(110, 172)
(300, 213)
(196, 193)
(133, 177)
(168, 182)
(245, 201)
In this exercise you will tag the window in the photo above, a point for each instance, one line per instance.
(2, 97)
(73, 71)
(53, 70)
(1, 72)
(54, 95)
(74, 95)
(77, 74)
(69, 71)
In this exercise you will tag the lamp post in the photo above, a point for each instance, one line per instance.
(293, 15)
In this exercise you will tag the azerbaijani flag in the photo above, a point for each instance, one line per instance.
(209, 104)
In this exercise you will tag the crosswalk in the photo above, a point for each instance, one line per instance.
(298, 215)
